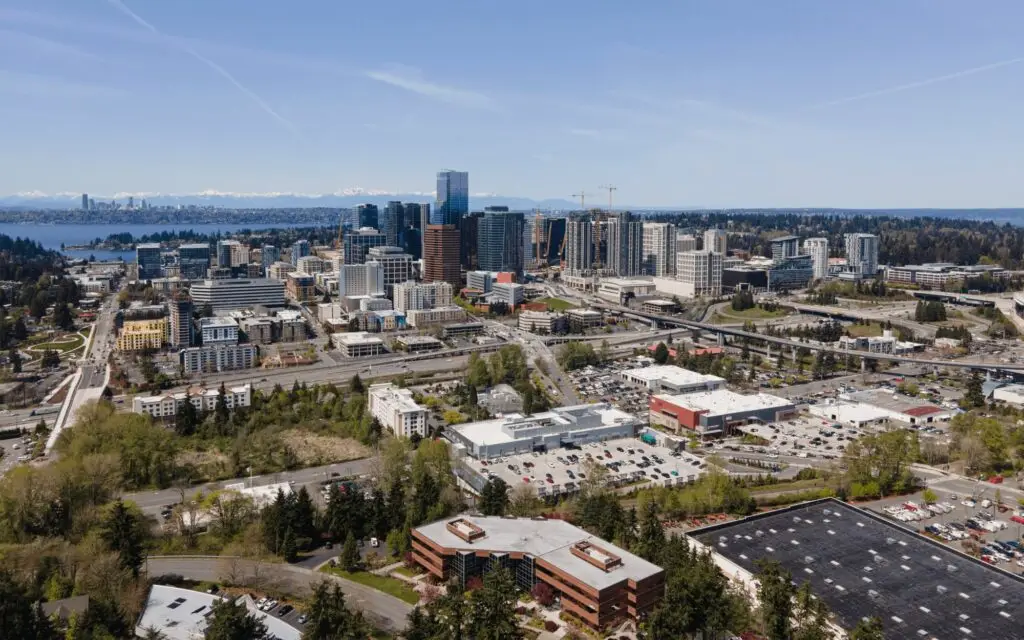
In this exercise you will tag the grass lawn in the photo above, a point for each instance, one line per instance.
(727, 315)
(862, 331)
(74, 342)
(407, 572)
(391, 586)
(556, 304)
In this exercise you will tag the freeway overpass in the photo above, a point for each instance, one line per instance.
(795, 344)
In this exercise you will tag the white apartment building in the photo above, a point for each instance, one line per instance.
(361, 280)
(218, 358)
(395, 409)
(862, 253)
(686, 243)
(216, 331)
(166, 406)
(280, 270)
(817, 248)
(659, 249)
(410, 295)
(716, 240)
(700, 273)
(579, 246)
(311, 265)
(437, 315)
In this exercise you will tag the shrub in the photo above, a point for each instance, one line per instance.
(543, 594)
(550, 626)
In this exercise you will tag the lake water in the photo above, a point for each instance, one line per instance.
(52, 236)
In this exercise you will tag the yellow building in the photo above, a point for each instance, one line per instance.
(140, 335)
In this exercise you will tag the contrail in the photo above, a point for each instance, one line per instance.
(210, 63)
(915, 85)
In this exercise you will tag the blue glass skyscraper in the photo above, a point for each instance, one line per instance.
(452, 197)
(500, 241)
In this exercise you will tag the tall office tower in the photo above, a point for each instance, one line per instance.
(579, 245)
(552, 240)
(239, 254)
(397, 264)
(441, 255)
(356, 243)
(300, 249)
(785, 247)
(148, 258)
(361, 279)
(500, 241)
(367, 216)
(625, 245)
(452, 197)
(817, 248)
(131, 202)
(424, 221)
(92, 204)
(659, 258)
(469, 229)
(194, 260)
(269, 256)
(85, 201)
(700, 273)
(180, 308)
(862, 253)
(686, 242)
(224, 252)
(393, 222)
(715, 240)
(144, 204)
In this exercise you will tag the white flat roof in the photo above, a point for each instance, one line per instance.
(402, 398)
(723, 401)
(358, 337)
(550, 540)
(179, 614)
(670, 374)
(849, 412)
(490, 432)
(628, 282)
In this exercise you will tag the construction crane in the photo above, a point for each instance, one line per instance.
(610, 189)
(582, 195)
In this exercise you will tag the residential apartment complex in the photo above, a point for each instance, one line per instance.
(395, 409)
(700, 273)
(659, 249)
(142, 335)
(166, 406)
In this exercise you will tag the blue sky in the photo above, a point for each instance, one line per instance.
(873, 103)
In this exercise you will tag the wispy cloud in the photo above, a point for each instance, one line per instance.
(411, 80)
(45, 86)
(586, 133)
(221, 71)
(27, 43)
(915, 85)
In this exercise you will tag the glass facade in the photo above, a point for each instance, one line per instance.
(500, 242)
(452, 197)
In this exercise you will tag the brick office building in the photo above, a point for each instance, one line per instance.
(596, 581)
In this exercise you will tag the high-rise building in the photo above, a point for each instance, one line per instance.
(791, 272)
(238, 294)
(410, 296)
(441, 255)
(148, 258)
(397, 264)
(817, 248)
(224, 252)
(85, 201)
(659, 257)
(300, 249)
(194, 260)
(452, 197)
(785, 247)
(239, 255)
(716, 240)
(361, 279)
(625, 245)
(269, 256)
(700, 273)
(862, 254)
(469, 229)
(579, 245)
(180, 308)
(500, 241)
(393, 222)
(356, 243)
(686, 243)
(552, 240)
(367, 216)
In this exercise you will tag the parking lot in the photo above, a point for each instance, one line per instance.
(601, 384)
(628, 460)
(805, 437)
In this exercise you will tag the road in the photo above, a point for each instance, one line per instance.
(382, 610)
(151, 502)
(921, 329)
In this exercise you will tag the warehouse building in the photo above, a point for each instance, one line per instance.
(714, 413)
(668, 378)
(596, 581)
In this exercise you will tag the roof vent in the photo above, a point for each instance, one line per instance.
(465, 530)
(595, 555)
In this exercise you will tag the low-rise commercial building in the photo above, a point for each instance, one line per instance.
(142, 335)
(280, 270)
(581, 319)
(620, 290)
(438, 315)
(716, 412)
(669, 378)
(396, 411)
(462, 329)
(167, 405)
(509, 293)
(899, 407)
(596, 581)
(515, 433)
(543, 322)
(217, 358)
(857, 415)
(659, 306)
(938, 274)
(419, 344)
(301, 286)
(358, 344)
(177, 613)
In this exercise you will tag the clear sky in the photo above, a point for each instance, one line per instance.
(874, 103)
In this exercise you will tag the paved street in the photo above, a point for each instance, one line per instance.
(151, 502)
(381, 609)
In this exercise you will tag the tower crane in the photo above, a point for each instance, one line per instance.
(610, 189)
(582, 195)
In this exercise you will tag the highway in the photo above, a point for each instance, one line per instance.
(382, 610)
(795, 344)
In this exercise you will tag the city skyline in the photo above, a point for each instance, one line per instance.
(724, 105)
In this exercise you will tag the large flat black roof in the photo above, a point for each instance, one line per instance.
(863, 565)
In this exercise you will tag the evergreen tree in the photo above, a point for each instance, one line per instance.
(20, 329)
(62, 317)
(420, 625)
(379, 516)
(775, 593)
(220, 410)
(19, 613)
(494, 497)
(124, 531)
(303, 520)
(187, 419)
(231, 621)
(651, 539)
(329, 618)
(974, 395)
(289, 550)
(15, 359)
(349, 554)
(870, 629)
(661, 353)
(356, 385)
(811, 616)
(494, 608)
